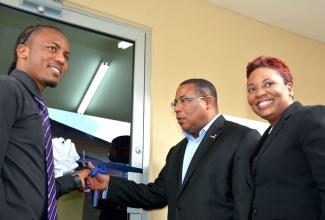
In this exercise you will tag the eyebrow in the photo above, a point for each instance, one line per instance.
(183, 96)
(56, 44)
(266, 79)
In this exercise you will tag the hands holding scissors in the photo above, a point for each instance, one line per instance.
(93, 178)
(98, 179)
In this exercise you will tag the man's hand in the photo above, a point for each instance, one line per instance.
(99, 181)
(83, 176)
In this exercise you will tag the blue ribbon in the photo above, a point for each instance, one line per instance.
(114, 166)
(96, 170)
(101, 168)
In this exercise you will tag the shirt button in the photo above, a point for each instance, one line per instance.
(254, 211)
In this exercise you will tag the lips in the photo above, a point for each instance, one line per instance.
(179, 119)
(264, 104)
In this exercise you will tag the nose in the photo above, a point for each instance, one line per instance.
(60, 59)
(261, 93)
(177, 107)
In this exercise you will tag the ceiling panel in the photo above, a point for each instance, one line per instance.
(303, 17)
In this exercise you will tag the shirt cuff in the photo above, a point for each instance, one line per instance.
(104, 195)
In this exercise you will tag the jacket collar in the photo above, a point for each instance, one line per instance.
(210, 137)
(267, 138)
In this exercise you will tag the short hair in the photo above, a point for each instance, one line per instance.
(202, 87)
(24, 37)
(273, 63)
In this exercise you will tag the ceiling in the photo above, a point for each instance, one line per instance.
(304, 17)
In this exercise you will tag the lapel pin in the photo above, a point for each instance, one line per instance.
(213, 136)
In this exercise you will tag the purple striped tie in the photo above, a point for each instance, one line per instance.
(51, 209)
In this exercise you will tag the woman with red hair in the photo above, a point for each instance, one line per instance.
(288, 164)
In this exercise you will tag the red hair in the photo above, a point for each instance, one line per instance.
(272, 63)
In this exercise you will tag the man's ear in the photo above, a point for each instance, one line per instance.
(209, 100)
(22, 51)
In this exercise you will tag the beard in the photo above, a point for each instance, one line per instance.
(51, 84)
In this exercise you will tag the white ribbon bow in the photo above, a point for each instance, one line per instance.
(65, 156)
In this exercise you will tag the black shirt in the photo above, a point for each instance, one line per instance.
(23, 177)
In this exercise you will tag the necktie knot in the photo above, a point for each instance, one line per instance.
(41, 103)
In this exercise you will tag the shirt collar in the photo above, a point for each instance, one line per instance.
(27, 81)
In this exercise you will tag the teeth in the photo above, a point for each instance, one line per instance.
(262, 104)
(55, 69)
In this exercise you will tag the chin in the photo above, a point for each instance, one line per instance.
(51, 84)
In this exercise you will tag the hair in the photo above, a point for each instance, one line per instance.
(273, 63)
(202, 87)
(24, 38)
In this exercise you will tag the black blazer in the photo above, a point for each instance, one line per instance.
(289, 175)
(214, 187)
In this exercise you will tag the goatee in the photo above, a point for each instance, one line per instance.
(51, 84)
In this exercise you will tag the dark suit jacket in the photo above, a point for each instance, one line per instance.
(289, 175)
(214, 187)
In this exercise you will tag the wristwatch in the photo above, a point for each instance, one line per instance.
(77, 180)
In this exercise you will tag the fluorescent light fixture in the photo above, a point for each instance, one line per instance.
(93, 87)
(124, 45)
(53, 8)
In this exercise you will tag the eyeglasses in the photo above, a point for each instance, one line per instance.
(183, 100)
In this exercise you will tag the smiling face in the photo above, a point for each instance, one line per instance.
(44, 57)
(268, 95)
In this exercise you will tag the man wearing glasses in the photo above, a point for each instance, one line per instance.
(204, 174)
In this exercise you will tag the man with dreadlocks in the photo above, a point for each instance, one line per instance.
(40, 60)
